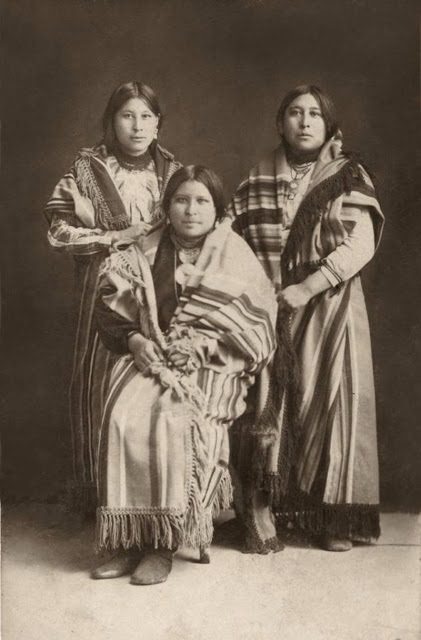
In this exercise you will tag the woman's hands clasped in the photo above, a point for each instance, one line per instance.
(176, 357)
(182, 354)
(144, 351)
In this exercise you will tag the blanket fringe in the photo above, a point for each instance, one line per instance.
(86, 180)
(284, 383)
(354, 521)
(224, 495)
(133, 527)
(311, 209)
(198, 526)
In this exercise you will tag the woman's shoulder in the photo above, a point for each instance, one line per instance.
(87, 153)
(265, 166)
(164, 152)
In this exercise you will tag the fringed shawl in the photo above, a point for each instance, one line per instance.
(338, 181)
(226, 295)
(227, 298)
(94, 181)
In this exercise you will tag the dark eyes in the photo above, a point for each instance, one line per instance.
(144, 116)
(298, 112)
(183, 199)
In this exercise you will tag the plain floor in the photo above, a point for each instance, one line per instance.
(302, 593)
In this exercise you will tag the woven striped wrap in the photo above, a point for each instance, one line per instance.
(88, 202)
(316, 444)
(163, 458)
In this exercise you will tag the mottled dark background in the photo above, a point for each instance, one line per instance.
(220, 69)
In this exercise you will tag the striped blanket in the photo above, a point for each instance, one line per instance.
(163, 456)
(83, 206)
(321, 464)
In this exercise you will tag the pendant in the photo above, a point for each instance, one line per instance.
(291, 196)
(187, 256)
(293, 185)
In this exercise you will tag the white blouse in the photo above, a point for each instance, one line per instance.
(138, 189)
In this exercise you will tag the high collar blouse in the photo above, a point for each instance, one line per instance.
(138, 189)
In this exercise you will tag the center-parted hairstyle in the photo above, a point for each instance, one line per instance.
(325, 103)
(202, 174)
(118, 98)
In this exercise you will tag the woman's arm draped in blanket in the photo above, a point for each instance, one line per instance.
(233, 301)
(116, 306)
(113, 329)
(341, 264)
(72, 220)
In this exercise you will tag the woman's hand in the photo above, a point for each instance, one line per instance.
(144, 351)
(178, 358)
(131, 234)
(293, 297)
(298, 295)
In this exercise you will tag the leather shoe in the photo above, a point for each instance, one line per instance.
(154, 567)
(330, 543)
(118, 566)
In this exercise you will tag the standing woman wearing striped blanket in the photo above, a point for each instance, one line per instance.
(111, 193)
(309, 212)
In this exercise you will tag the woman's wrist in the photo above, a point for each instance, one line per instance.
(315, 283)
(112, 236)
(134, 338)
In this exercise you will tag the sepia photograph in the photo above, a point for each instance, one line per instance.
(210, 320)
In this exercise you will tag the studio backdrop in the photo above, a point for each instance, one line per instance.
(220, 69)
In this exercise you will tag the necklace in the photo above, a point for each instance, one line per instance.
(133, 163)
(298, 172)
(187, 252)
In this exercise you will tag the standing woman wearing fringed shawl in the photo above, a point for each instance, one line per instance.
(310, 214)
(111, 193)
(192, 316)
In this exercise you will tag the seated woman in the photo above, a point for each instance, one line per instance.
(192, 316)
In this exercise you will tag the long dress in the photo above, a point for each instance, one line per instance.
(97, 195)
(315, 455)
(164, 451)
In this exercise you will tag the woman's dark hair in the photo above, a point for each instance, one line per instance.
(325, 103)
(118, 98)
(201, 174)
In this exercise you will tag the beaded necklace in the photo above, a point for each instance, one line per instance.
(187, 251)
(133, 163)
(298, 172)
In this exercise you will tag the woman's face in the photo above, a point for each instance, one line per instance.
(303, 126)
(135, 126)
(192, 211)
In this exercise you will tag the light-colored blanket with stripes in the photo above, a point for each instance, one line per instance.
(320, 415)
(164, 447)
